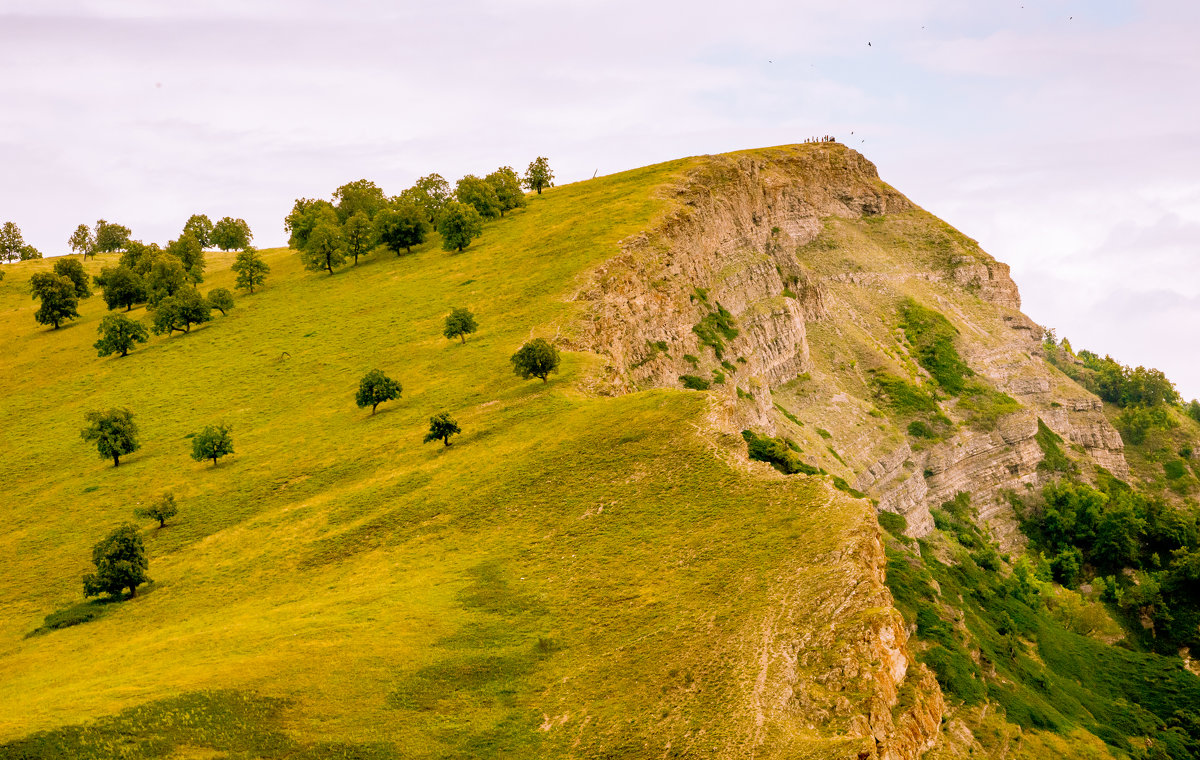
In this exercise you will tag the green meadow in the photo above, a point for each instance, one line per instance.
(574, 575)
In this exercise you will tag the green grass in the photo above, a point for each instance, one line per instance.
(590, 564)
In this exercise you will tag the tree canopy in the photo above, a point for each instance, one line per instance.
(402, 225)
(120, 560)
(250, 269)
(376, 388)
(459, 323)
(190, 253)
(220, 299)
(73, 270)
(230, 233)
(325, 248)
(162, 510)
(82, 241)
(306, 213)
(459, 225)
(359, 234)
(11, 242)
(167, 278)
(507, 185)
(200, 227)
(180, 312)
(441, 427)
(538, 176)
(114, 432)
(478, 193)
(431, 193)
(58, 296)
(358, 196)
(118, 333)
(537, 358)
(213, 442)
(121, 286)
(111, 237)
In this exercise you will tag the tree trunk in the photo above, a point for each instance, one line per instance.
(116, 460)
(128, 307)
(446, 440)
(124, 352)
(373, 408)
(133, 592)
(464, 338)
(162, 522)
(214, 461)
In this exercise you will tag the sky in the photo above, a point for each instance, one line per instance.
(1063, 135)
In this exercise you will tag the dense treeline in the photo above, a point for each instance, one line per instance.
(361, 218)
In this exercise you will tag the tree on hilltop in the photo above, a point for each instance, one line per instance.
(359, 196)
(460, 323)
(507, 186)
(359, 234)
(304, 216)
(230, 233)
(478, 193)
(402, 225)
(220, 299)
(250, 269)
(114, 432)
(58, 297)
(538, 176)
(120, 560)
(73, 270)
(111, 237)
(200, 227)
(11, 242)
(459, 225)
(537, 358)
(431, 193)
(441, 427)
(376, 388)
(213, 442)
(121, 286)
(82, 241)
(162, 510)
(118, 333)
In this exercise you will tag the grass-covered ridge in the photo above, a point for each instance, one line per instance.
(572, 572)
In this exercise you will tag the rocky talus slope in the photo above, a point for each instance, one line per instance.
(778, 279)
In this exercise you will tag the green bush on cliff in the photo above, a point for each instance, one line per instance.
(932, 338)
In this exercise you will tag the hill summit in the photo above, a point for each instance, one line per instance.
(672, 547)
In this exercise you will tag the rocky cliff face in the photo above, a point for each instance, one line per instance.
(776, 279)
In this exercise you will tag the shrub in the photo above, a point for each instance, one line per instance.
(1053, 457)
(902, 397)
(694, 383)
(985, 406)
(715, 328)
(893, 523)
(777, 453)
(918, 429)
(1174, 469)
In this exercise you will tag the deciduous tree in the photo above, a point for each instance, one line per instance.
(306, 213)
(121, 286)
(459, 324)
(167, 278)
(115, 433)
(213, 442)
(190, 253)
(459, 225)
(73, 270)
(200, 227)
(361, 195)
(250, 269)
(220, 299)
(162, 510)
(401, 226)
(57, 294)
(111, 237)
(82, 241)
(180, 312)
(537, 358)
(359, 234)
(431, 193)
(118, 333)
(375, 388)
(230, 233)
(326, 247)
(507, 185)
(441, 427)
(478, 193)
(121, 563)
(11, 242)
(538, 176)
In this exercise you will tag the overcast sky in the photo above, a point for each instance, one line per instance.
(1064, 135)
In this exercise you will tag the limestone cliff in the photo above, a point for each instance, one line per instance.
(776, 280)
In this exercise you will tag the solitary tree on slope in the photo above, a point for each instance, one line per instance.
(118, 333)
(114, 432)
(120, 559)
(460, 323)
(376, 388)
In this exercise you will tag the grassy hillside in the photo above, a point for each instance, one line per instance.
(573, 575)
